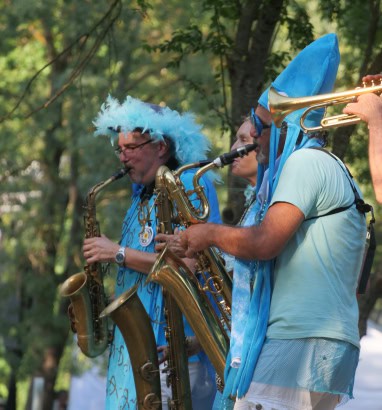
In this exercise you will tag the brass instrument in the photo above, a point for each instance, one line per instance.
(280, 106)
(85, 289)
(210, 265)
(171, 272)
(129, 314)
(174, 275)
(177, 361)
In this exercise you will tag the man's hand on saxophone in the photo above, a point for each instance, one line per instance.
(102, 249)
(172, 242)
(196, 238)
(99, 249)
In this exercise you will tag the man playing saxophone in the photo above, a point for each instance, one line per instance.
(148, 136)
(294, 339)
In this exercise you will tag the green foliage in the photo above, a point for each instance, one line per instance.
(275, 63)
(59, 60)
(4, 373)
(330, 9)
(300, 28)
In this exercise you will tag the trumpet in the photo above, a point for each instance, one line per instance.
(280, 106)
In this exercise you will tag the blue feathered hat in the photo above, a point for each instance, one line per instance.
(189, 144)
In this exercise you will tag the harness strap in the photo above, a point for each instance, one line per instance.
(362, 207)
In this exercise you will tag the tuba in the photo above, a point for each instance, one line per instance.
(129, 314)
(86, 290)
(280, 106)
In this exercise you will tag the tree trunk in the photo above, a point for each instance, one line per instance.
(246, 66)
(12, 389)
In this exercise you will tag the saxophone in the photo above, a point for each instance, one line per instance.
(177, 279)
(177, 362)
(171, 272)
(210, 265)
(189, 293)
(85, 289)
(129, 314)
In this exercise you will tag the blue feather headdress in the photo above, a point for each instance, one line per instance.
(189, 144)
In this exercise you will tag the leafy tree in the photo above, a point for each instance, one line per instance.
(60, 59)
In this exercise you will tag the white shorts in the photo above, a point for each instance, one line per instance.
(265, 397)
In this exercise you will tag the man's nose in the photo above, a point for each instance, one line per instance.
(235, 145)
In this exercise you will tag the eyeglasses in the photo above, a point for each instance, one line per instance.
(257, 123)
(129, 148)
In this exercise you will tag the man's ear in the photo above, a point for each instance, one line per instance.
(164, 148)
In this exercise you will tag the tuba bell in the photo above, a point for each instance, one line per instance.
(281, 106)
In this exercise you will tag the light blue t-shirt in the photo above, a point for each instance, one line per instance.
(316, 274)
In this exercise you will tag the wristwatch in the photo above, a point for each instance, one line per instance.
(120, 256)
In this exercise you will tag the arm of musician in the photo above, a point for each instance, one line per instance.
(261, 242)
(369, 108)
(102, 249)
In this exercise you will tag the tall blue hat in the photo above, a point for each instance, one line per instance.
(313, 71)
(189, 144)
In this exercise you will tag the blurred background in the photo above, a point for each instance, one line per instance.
(59, 60)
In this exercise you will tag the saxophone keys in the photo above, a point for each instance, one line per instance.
(151, 402)
(148, 371)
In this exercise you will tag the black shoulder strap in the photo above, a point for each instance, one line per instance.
(349, 177)
(370, 244)
(358, 201)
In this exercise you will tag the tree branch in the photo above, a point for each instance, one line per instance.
(81, 41)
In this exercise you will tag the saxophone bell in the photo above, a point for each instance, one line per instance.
(85, 290)
(129, 314)
(92, 343)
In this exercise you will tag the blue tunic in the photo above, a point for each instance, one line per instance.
(120, 391)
